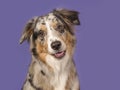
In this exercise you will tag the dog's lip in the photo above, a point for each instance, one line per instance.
(60, 54)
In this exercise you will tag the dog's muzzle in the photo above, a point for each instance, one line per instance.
(56, 45)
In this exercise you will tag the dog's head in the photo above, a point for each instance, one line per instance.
(51, 34)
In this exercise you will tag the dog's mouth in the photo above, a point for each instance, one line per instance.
(59, 54)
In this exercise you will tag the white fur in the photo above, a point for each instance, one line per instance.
(60, 78)
(26, 86)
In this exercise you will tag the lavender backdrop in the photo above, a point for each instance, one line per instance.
(97, 54)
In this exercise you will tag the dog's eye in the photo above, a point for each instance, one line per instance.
(41, 33)
(60, 28)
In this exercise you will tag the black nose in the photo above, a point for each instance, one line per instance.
(56, 45)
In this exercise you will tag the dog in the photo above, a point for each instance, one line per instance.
(52, 43)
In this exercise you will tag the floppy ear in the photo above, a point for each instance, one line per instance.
(69, 15)
(28, 30)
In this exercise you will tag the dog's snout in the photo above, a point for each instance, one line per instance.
(56, 45)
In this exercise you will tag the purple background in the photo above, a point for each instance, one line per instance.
(97, 54)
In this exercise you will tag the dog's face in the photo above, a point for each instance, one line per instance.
(51, 34)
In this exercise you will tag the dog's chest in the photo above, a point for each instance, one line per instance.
(59, 79)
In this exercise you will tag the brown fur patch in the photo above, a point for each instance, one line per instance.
(41, 50)
(43, 27)
(69, 40)
(42, 53)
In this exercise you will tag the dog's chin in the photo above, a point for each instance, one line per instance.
(59, 55)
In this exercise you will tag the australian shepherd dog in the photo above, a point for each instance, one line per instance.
(52, 42)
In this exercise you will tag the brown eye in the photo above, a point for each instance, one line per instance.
(41, 33)
(60, 28)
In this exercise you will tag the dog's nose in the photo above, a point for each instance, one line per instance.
(56, 45)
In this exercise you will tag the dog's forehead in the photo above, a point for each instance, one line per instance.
(47, 18)
(50, 18)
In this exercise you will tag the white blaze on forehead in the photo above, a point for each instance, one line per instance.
(47, 25)
(50, 35)
(50, 30)
(49, 20)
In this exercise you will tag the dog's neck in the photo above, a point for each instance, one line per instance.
(58, 76)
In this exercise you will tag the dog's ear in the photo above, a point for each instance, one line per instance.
(68, 15)
(28, 30)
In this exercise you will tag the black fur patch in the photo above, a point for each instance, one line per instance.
(34, 52)
(40, 33)
(35, 35)
(43, 73)
(43, 23)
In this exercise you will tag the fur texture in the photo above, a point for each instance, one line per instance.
(52, 42)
